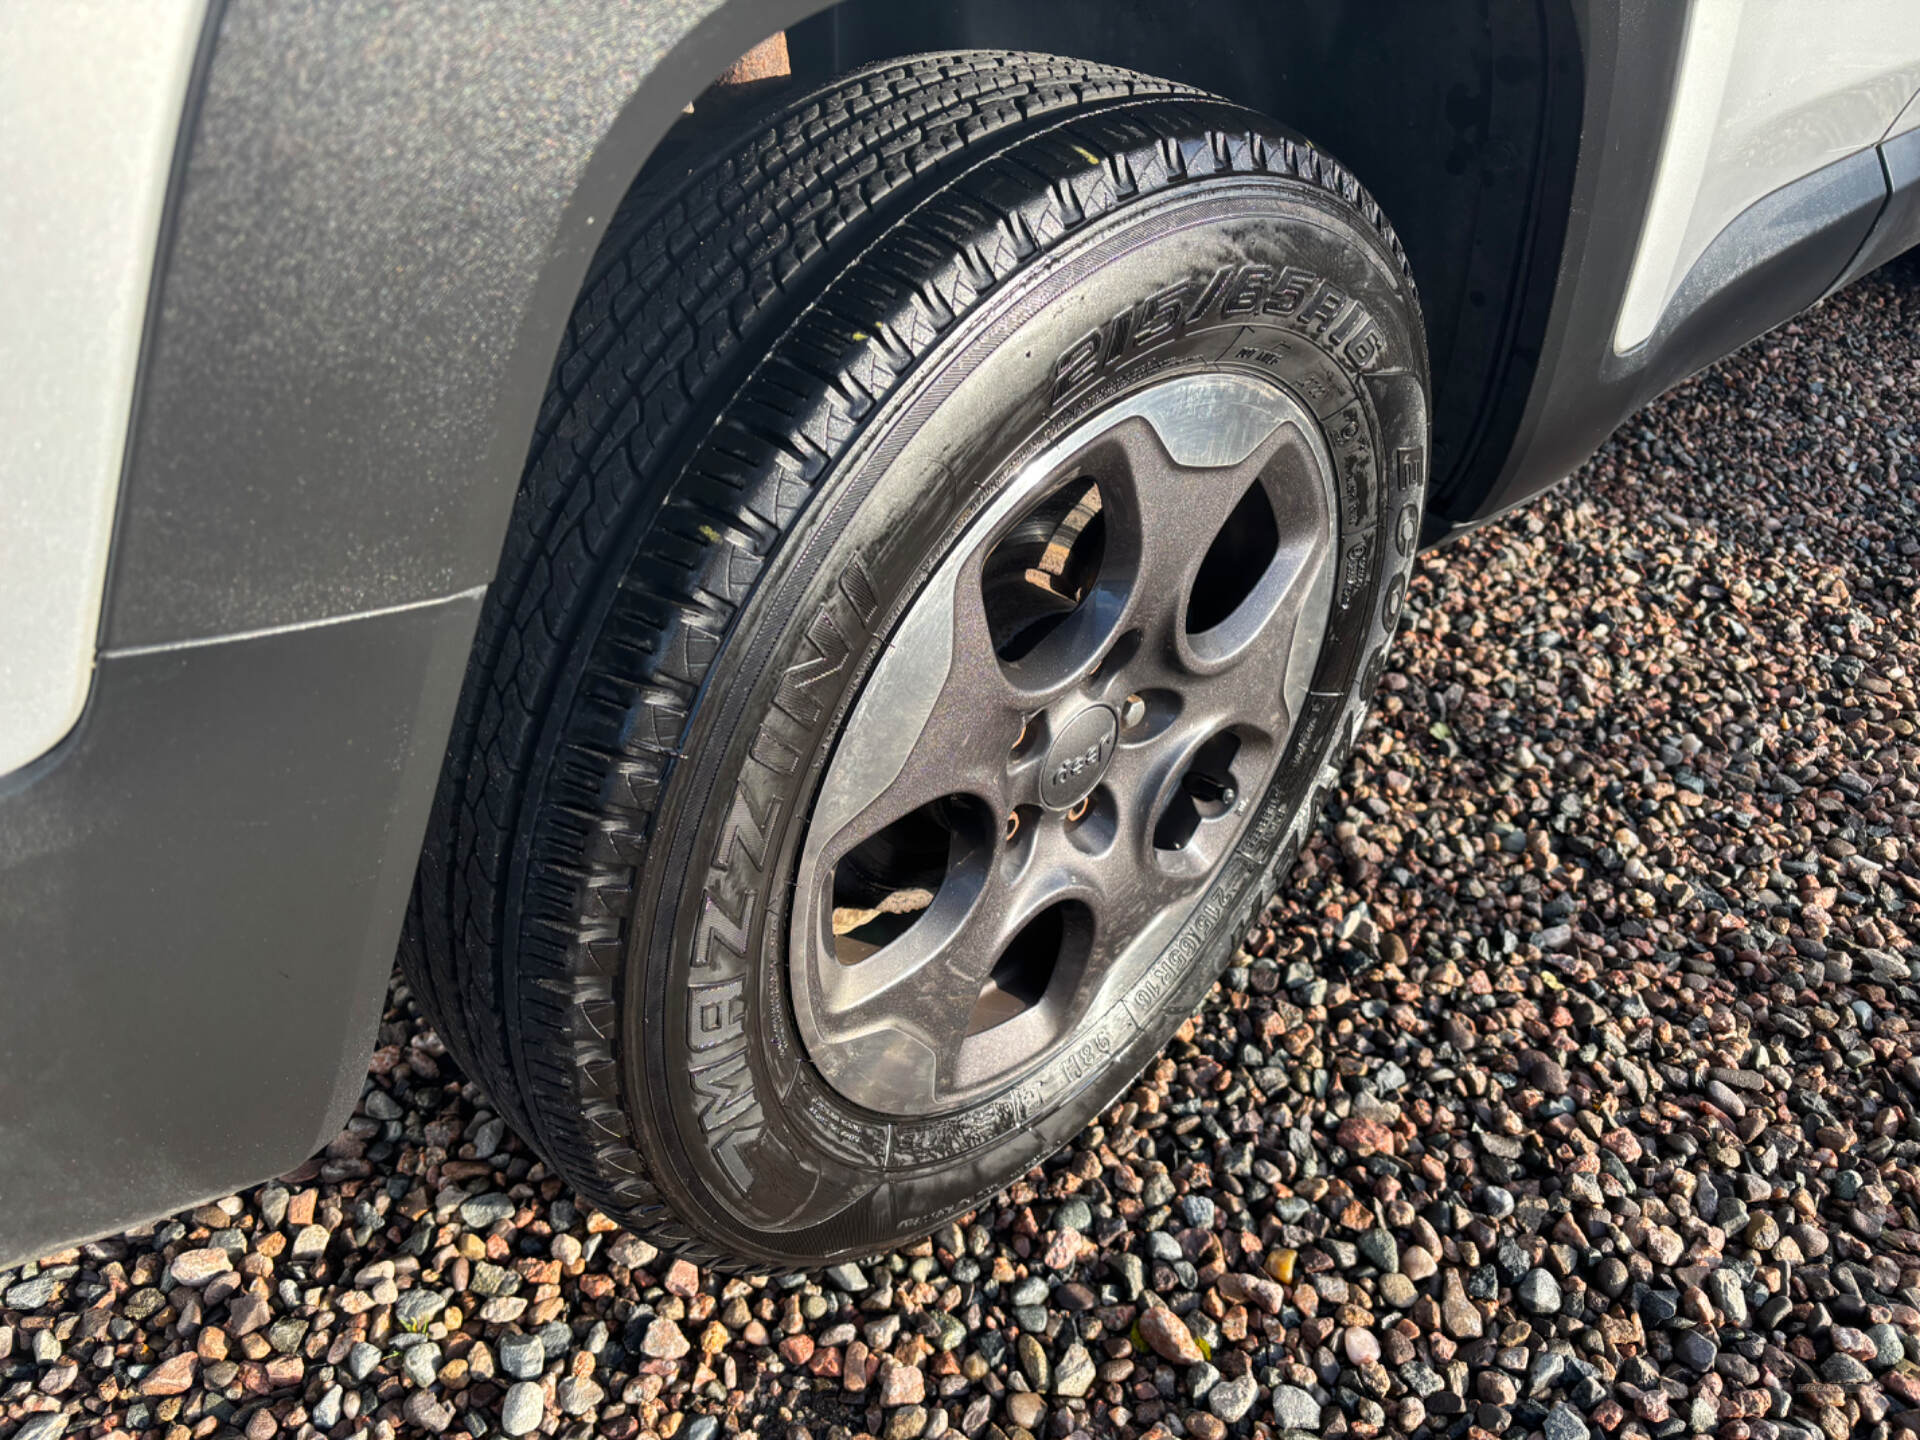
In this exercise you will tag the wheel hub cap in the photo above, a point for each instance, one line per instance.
(1078, 759)
(1062, 741)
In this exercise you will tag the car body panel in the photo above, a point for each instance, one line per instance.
(92, 95)
(1763, 98)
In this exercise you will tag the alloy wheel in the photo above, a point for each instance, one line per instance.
(1062, 741)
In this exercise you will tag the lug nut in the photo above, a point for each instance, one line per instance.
(1077, 811)
(1132, 711)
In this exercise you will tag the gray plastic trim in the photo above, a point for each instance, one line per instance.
(1897, 229)
(199, 894)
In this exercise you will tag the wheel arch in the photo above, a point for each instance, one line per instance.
(385, 222)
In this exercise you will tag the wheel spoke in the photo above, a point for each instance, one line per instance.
(1184, 467)
(938, 718)
(903, 1017)
(1256, 679)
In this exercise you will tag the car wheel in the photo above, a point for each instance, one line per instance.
(966, 525)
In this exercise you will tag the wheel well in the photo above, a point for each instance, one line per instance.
(1463, 120)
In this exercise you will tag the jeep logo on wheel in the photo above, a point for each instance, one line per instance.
(1078, 757)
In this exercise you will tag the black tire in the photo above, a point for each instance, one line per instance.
(962, 253)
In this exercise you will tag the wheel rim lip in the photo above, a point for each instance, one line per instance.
(809, 931)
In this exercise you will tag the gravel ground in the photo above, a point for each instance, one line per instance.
(1570, 1089)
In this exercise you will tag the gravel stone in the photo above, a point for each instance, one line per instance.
(576, 1395)
(1696, 1351)
(1169, 1336)
(1026, 1410)
(1230, 1400)
(326, 1410)
(524, 1357)
(1295, 1409)
(420, 1363)
(422, 1408)
(664, 1340)
(1538, 1293)
(1073, 1377)
(362, 1360)
(196, 1267)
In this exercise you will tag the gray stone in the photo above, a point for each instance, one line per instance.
(523, 1408)
(1230, 1400)
(1074, 1375)
(1726, 1291)
(416, 1309)
(521, 1356)
(1381, 1250)
(421, 1363)
(1695, 1351)
(273, 1202)
(45, 1426)
(487, 1138)
(1072, 1215)
(1031, 1291)
(489, 1280)
(1563, 1422)
(1162, 1246)
(32, 1294)
(326, 1410)
(484, 1210)
(1538, 1293)
(1295, 1409)
(849, 1278)
(1421, 1378)
(1842, 1369)
(1544, 1374)
(379, 1105)
(362, 1360)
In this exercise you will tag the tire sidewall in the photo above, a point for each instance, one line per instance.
(751, 1144)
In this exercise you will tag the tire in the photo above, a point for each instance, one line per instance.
(796, 378)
